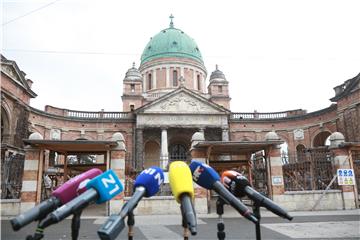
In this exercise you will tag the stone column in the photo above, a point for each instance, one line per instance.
(202, 196)
(139, 149)
(194, 79)
(154, 78)
(32, 177)
(167, 77)
(342, 161)
(117, 163)
(164, 155)
(225, 138)
(225, 134)
(30, 183)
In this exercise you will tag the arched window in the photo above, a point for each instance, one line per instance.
(321, 139)
(152, 154)
(300, 153)
(198, 82)
(175, 78)
(5, 128)
(284, 153)
(177, 152)
(149, 81)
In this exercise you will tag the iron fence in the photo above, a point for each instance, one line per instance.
(12, 168)
(313, 170)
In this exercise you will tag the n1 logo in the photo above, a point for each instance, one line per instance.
(157, 176)
(111, 180)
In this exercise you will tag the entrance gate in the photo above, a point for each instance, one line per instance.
(259, 173)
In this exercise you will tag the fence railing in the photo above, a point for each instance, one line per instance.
(313, 171)
(266, 115)
(12, 168)
(96, 115)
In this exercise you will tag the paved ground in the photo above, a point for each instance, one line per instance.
(305, 225)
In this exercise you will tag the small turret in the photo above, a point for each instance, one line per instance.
(219, 88)
(132, 89)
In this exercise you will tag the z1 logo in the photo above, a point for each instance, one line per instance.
(111, 180)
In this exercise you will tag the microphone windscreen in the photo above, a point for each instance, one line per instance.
(203, 174)
(107, 185)
(151, 179)
(180, 180)
(69, 190)
(235, 182)
(228, 176)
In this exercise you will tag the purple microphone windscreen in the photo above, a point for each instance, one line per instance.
(151, 179)
(203, 174)
(69, 190)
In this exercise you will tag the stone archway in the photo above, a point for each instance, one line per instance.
(5, 126)
(320, 139)
(300, 153)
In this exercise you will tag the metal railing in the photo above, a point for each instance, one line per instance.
(312, 171)
(97, 115)
(256, 115)
(12, 168)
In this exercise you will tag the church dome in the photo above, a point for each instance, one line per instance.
(171, 42)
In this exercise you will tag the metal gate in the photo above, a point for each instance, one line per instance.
(356, 160)
(313, 170)
(259, 173)
(12, 168)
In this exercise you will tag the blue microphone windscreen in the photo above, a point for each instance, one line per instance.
(151, 179)
(107, 185)
(203, 174)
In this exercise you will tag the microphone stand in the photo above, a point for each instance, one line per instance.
(75, 225)
(220, 211)
(256, 212)
(131, 223)
(186, 230)
(39, 233)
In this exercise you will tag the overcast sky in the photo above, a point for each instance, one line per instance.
(276, 55)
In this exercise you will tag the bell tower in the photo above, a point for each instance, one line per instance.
(219, 89)
(132, 90)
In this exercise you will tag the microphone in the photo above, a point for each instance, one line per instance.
(146, 184)
(208, 178)
(60, 196)
(240, 186)
(182, 188)
(100, 189)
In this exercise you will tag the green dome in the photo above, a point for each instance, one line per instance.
(171, 42)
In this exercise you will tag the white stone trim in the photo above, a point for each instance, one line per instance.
(115, 205)
(154, 78)
(25, 206)
(31, 165)
(117, 164)
(276, 162)
(167, 76)
(29, 186)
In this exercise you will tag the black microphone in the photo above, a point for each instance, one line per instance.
(240, 186)
(208, 178)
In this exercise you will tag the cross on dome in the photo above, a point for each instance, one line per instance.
(171, 21)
